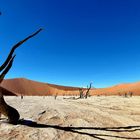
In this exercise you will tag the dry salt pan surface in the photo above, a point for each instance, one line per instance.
(95, 118)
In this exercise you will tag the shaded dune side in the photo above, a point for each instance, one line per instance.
(6, 92)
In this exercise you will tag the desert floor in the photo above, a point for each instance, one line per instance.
(95, 118)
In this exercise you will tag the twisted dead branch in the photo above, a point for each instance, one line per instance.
(5, 109)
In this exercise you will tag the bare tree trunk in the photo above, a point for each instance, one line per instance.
(12, 114)
(8, 111)
(81, 91)
(88, 89)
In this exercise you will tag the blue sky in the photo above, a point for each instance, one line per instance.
(82, 40)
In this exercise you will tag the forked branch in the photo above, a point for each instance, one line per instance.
(88, 89)
(14, 48)
(5, 109)
(7, 69)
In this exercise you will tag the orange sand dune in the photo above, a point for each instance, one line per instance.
(120, 89)
(22, 86)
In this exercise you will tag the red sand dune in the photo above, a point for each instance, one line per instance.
(21, 86)
(120, 89)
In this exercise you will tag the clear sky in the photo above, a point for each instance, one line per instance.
(82, 40)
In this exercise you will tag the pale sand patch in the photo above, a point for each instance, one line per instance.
(68, 119)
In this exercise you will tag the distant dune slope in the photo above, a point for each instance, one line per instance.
(120, 89)
(22, 86)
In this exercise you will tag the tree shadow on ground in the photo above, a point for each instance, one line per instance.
(33, 124)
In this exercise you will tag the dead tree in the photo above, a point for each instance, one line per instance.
(55, 96)
(5, 109)
(88, 89)
(125, 94)
(130, 94)
(81, 91)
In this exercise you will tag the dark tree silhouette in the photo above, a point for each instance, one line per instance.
(88, 89)
(12, 114)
